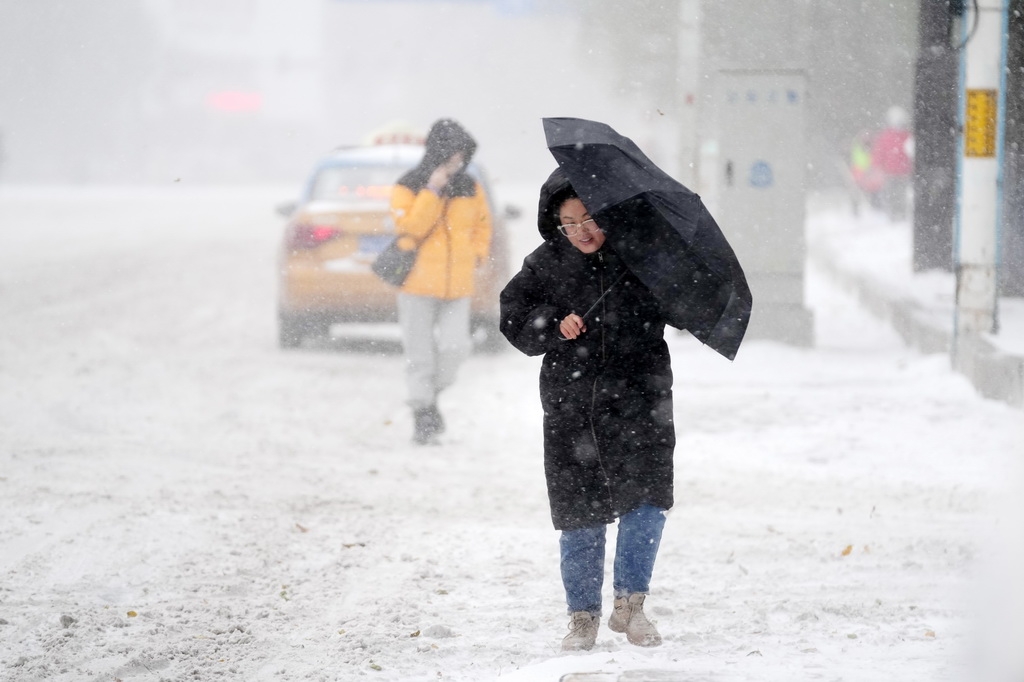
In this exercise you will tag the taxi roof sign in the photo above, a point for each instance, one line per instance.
(396, 132)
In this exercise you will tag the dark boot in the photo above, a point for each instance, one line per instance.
(435, 414)
(425, 427)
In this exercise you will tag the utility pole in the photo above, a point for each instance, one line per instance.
(935, 138)
(980, 176)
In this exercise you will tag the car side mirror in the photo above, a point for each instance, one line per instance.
(287, 208)
(512, 211)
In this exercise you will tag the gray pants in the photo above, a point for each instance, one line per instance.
(435, 334)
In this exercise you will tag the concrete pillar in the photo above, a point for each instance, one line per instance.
(1011, 270)
(753, 160)
(688, 82)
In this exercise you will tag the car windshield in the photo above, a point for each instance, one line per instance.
(355, 183)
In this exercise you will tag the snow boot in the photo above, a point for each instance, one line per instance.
(426, 425)
(629, 617)
(435, 414)
(582, 631)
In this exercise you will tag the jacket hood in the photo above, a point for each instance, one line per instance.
(552, 194)
(445, 139)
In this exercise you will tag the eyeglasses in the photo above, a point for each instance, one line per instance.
(573, 229)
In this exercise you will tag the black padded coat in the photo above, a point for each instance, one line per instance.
(609, 435)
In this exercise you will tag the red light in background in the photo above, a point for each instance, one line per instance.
(307, 236)
(234, 101)
(322, 234)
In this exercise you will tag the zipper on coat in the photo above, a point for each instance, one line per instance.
(604, 309)
(593, 390)
(597, 448)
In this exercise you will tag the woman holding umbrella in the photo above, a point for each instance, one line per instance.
(606, 390)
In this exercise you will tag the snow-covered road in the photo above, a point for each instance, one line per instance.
(181, 500)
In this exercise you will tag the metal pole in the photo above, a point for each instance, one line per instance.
(980, 193)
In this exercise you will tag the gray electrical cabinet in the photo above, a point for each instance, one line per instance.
(760, 193)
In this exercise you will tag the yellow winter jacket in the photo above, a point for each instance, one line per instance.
(459, 242)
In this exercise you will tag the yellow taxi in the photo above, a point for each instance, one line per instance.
(335, 231)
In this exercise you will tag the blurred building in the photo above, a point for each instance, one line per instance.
(69, 78)
(244, 90)
(161, 90)
(236, 85)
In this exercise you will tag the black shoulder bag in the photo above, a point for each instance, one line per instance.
(394, 264)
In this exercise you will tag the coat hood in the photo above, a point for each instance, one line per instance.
(552, 193)
(445, 139)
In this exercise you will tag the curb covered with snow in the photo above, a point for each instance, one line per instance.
(871, 257)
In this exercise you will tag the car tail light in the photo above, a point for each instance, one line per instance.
(306, 236)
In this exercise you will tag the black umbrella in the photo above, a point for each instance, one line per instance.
(659, 228)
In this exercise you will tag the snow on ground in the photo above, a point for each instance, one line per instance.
(874, 244)
(181, 500)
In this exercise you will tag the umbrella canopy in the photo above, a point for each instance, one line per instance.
(659, 228)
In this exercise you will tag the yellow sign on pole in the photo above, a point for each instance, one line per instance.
(980, 129)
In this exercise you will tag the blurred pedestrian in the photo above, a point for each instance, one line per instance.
(867, 178)
(441, 208)
(606, 390)
(892, 154)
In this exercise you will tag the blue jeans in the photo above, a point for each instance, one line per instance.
(636, 548)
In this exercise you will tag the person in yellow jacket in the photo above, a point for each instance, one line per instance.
(440, 207)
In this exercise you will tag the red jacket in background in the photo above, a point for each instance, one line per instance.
(889, 154)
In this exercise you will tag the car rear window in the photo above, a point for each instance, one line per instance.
(355, 183)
